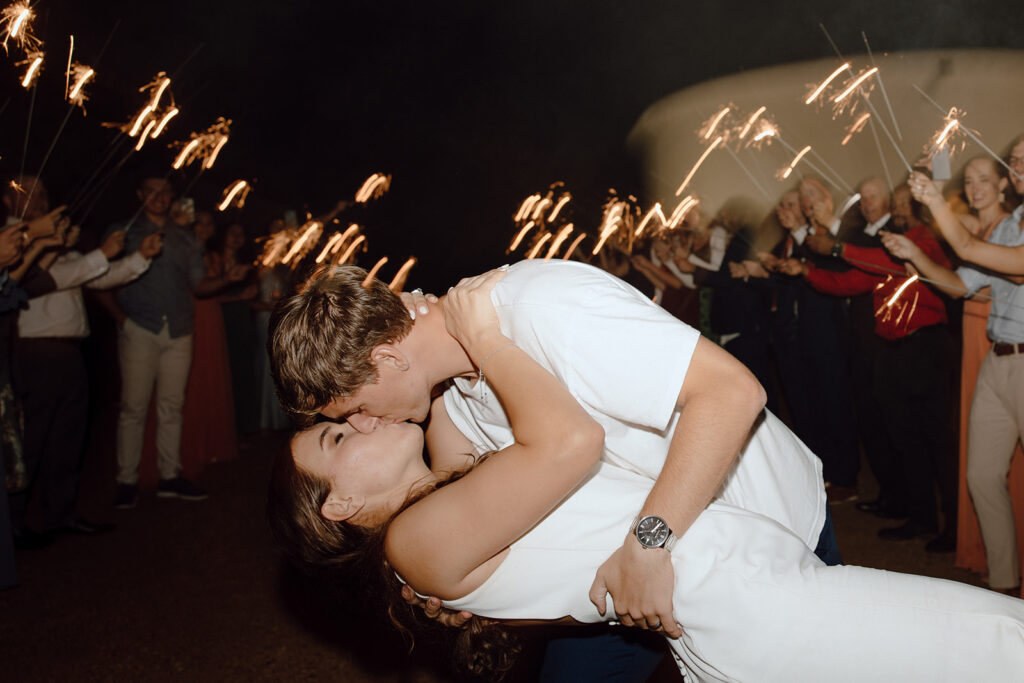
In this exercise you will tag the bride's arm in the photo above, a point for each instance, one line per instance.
(438, 544)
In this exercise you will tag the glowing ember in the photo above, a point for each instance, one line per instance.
(168, 115)
(572, 247)
(519, 237)
(373, 187)
(82, 75)
(34, 61)
(796, 160)
(856, 83)
(750, 121)
(709, 129)
(689, 176)
(824, 84)
(398, 283)
(556, 244)
(17, 20)
(305, 242)
(373, 272)
(236, 192)
(857, 127)
(562, 201)
(351, 250)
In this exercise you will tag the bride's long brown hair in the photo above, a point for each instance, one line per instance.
(349, 555)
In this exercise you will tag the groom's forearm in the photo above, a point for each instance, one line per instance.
(719, 401)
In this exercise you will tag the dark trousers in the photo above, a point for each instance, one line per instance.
(882, 455)
(913, 382)
(8, 569)
(50, 378)
(627, 655)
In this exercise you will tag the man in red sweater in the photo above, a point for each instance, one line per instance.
(912, 376)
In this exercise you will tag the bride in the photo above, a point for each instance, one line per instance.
(520, 534)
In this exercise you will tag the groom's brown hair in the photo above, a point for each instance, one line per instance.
(320, 338)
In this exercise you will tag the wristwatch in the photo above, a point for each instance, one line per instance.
(837, 249)
(653, 532)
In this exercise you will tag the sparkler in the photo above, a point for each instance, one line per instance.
(398, 283)
(614, 215)
(373, 187)
(536, 248)
(856, 84)
(541, 206)
(236, 192)
(881, 86)
(796, 160)
(654, 213)
(145, 134)
(17, 19)
(709, 128)
(750, 122)
(572, 247)
(309, 236)
(562, 201)
(681, 211)
(899, 292)
(275, 246)
(351, 250)
(519, 237)
(333, 243)
(204, 145)
(689, 176)
(140, 118)
(67, 71)
(373, 272)
(34, 61)
(556, 243)
(217, 147)
(857, 127)
(824, 84)
(168, 115)
(526, 207)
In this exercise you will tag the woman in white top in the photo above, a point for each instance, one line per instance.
(520, 534)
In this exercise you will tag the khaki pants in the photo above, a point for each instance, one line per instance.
(997, 417)
(146, 358)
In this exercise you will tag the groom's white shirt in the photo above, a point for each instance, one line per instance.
(624, 359)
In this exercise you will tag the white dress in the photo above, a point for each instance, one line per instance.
(754, 602)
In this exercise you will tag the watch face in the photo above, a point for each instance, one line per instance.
(652, 531)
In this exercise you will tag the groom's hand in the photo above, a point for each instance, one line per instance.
(640, 582)
(433, 609)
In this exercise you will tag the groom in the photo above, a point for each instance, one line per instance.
(674, 406)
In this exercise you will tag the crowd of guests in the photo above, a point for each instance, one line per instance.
(190, 309)
(862, 326)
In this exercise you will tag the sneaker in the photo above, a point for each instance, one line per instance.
(179, 487)
(126, 496)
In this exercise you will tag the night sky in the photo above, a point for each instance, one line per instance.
(470, 106)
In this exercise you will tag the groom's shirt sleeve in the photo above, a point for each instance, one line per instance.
(620, 354)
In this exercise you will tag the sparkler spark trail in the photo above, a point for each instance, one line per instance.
(540, 243)
(398, 282)
(275, 246)
(540, 207)
(563, 200)
(145, 134)
(526, 207)
(519, 237)
(83, 74)
(210, 160)
(613, 220)
(750, 122)
(572, 247)
(689, 176)
(796, 160)
(881, 86)
(307, 236)
(373, 272)
(236, 192)
(857, 127)
(899, 292)
(18, 21)
(945, 131)
(67, 71)
(373, 187)
(556, 244)
(35, 60)
(168, 115)
(856, 83)
(764, 134)
(205, 145)
(184, 154)
(824, 84)
(140, 118)
(655, 212)
(351, 250)
(709, 130)
(681, 211)
(331, 244)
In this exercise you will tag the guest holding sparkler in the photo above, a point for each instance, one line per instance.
(911, 374)
(155, 314)
(997, 407)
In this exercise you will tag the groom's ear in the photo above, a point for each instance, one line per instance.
(389, 354)
(339, 508)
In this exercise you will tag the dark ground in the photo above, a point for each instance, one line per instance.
(194, 591)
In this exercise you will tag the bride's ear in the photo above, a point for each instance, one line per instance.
(389, 354)
(339, 508)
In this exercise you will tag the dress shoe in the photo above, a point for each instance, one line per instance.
(77, 525)
(26, 539)
(905, 532)
(943, 543)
